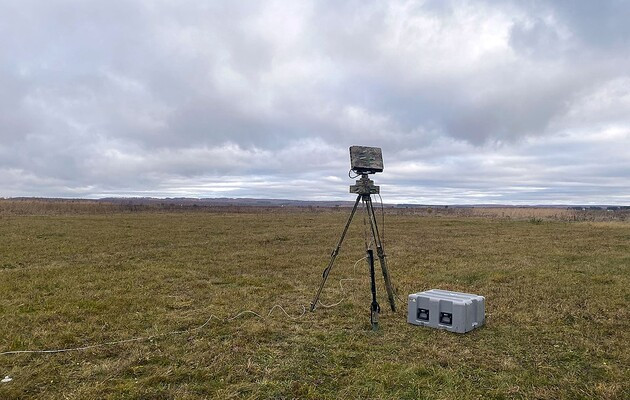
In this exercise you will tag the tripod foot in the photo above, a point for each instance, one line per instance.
(375, 310)
(374, 320)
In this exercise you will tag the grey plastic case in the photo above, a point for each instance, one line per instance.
(443, 309)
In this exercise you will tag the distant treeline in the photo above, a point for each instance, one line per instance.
(29, 206)
(36, 206)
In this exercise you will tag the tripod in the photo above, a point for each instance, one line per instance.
(364, 188)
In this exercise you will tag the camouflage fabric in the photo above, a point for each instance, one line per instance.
(365, 159)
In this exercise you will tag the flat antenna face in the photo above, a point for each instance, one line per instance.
(366, 160)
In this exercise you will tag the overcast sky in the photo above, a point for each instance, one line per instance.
(524, 102)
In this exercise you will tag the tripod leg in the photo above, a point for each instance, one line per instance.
(381, 254)
(334, 255)
(375, 309)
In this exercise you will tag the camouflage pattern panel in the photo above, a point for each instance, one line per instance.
(361, 189)
(365, 159)
(365, 186)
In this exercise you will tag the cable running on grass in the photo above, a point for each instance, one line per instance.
(179, 332)
(140, 339)
(341, 286)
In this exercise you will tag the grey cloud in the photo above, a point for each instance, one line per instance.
(602, 25)
(536, 38)
(155, 97)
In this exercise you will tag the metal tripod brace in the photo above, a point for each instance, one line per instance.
(364, 188)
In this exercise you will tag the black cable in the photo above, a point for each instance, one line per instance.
(365, 232)
(382, 220)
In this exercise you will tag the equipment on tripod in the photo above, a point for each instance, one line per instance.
(364, 161)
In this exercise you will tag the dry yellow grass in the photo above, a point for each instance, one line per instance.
(518, 213)
(36, 206)
(557, 295)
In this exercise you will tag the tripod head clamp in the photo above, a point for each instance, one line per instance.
(365, 186)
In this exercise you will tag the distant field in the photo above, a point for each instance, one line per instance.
(557, 293)
(77, 206)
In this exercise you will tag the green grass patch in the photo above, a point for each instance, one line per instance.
(557, 307)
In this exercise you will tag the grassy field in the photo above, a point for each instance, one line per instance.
(557, 296)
